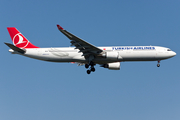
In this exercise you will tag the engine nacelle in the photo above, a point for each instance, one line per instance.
(112, 66)
(112, 55)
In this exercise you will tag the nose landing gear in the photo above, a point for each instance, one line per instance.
(158, 65)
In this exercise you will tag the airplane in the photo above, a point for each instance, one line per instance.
(84, 53)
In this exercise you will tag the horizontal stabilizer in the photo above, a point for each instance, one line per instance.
(15, 48)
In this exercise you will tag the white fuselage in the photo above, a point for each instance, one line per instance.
(124, 53)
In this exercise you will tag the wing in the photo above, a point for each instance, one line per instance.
(83, 46)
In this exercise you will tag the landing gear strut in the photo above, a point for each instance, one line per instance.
(158, 65)
(90, 59)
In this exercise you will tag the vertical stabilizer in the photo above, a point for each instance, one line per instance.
(18, 39)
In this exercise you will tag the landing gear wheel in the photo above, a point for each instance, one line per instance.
(88, 71)
(86, 66)
(158, 65)
(93, 69)
(91, 65)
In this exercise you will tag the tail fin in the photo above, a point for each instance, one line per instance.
(18, 39)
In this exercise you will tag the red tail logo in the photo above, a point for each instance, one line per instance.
(18, 39)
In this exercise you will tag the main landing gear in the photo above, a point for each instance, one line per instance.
(158, 65)
(91, 64)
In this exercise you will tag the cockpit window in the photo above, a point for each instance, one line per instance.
(168, 49)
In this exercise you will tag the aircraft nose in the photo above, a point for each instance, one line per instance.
(173, 53)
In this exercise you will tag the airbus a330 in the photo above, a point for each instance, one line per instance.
(85, 53)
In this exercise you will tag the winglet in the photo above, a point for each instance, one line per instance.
(59, 27)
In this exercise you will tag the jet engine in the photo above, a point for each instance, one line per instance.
(112, 66)
(111, 55)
